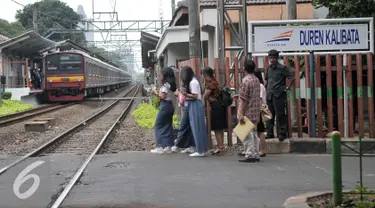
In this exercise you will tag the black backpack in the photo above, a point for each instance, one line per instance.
(226, 98)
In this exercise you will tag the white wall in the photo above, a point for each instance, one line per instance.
(18, 93)
(209, 17)
(177, 51)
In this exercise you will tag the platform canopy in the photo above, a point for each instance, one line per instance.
(27, 44)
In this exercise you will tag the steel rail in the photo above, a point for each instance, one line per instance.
(17, 117)
(57, 138)
(79, 173)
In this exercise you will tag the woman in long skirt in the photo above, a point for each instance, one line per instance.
(195, 108)
(164, 120)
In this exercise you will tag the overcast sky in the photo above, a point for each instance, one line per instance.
(127, 10)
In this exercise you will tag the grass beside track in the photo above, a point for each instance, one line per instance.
(13, 106)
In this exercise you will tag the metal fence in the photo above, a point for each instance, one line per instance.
(337, 143)
(16, 73)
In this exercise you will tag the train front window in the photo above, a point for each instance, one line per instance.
(64, 63)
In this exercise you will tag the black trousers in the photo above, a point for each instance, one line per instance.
(277, 107)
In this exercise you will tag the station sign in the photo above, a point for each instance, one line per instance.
(311, 38)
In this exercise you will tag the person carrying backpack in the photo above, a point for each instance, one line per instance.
(213, 94)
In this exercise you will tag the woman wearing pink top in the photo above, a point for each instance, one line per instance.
(260, 127)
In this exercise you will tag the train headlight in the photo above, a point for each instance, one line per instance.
(50, 80)
(79, 79)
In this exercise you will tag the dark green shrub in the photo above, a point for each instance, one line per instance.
(6, 95)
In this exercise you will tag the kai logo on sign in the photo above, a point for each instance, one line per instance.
(280, 39)
(311, 38)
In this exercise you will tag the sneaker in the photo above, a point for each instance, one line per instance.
(197, 154)
(242, 154)
(250, 160)
(188, 150)
(174, 149)
(158, 151)
(168, 150)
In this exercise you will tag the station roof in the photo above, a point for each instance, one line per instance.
(26, 44)
(148, 42)
(149, 38)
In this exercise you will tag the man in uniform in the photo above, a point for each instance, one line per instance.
(276, 94)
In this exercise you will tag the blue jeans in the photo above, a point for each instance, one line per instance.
(198, 125)
(185, 137)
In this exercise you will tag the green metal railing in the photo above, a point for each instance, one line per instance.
(337, 165)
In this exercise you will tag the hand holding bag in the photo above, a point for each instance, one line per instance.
(181, 99)
(266, 114)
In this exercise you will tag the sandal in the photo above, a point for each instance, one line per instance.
(263, 155)
(218, 151)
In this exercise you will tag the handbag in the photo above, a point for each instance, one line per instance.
(266, 114)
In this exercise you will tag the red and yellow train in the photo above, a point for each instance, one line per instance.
(73, 75)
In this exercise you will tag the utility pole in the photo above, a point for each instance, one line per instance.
(221, 40)
(194, 29)
(173, 2)
(35, 19)
(291, 14)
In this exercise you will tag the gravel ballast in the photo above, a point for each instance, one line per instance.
(15, 140)
(129, 136)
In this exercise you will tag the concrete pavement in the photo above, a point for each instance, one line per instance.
(130, 178)
(181, 181)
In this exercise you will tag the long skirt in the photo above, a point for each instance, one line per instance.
(198, 125)
(185, 137)
(218, 116)
(164, 124)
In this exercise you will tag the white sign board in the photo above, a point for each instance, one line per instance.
(311, 38)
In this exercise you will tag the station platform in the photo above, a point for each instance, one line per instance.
(143, 180)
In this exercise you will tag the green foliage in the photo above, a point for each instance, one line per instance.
(155, 101)
(13, 106)
(51, 14)
(145, 116)
(11, 29)
(6, 96)
(347, 8)
(108, 55)
(367, 197)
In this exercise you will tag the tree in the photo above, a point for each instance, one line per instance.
(347, 8)
(52, 14)
(113, 57)
(11, 29)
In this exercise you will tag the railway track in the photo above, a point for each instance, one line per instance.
(97, 129)
(116, 114)
(21, 116)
